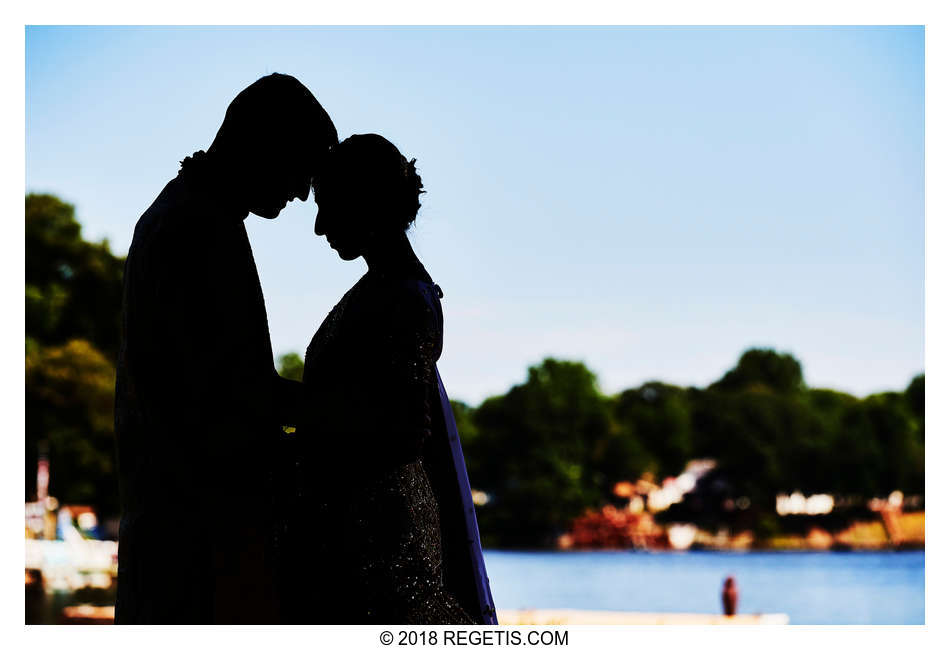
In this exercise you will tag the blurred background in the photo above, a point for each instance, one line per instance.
(684, 281)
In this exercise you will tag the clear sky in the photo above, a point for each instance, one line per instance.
(651, 201)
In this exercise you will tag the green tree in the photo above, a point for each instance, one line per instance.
(290, 366)
(73, 303)
(745, 433)
(915, 402)
(654, 430)
(73, 287)
(762, 366)
(539, 453)
(822, 459)
(468, 432)
(885, 452)
(70, 393)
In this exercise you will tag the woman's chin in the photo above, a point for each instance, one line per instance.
(346, 254)
(344, 251)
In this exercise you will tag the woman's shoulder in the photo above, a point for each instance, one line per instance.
(410, 286)
(415, 298)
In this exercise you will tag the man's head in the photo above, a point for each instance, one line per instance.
(274, 136)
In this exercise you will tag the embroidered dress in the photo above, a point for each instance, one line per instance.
(386, 523)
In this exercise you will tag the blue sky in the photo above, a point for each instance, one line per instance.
(651, 201)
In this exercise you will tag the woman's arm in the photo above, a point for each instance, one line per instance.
(410, 350)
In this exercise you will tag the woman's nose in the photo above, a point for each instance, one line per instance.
(318, 225)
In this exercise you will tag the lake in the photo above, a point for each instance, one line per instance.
(811, 588)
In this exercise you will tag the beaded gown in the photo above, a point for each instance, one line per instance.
(372, 475)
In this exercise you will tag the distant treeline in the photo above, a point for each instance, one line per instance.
(544, 451)
(555, 445)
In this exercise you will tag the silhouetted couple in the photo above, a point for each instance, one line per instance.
(369, 518)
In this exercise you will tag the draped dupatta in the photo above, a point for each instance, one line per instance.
(463, 561)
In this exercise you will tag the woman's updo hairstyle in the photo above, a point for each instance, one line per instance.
(371, 172)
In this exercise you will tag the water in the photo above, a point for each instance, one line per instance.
(811, 588)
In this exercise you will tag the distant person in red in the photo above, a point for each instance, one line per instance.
(730, 597)
(198, 404)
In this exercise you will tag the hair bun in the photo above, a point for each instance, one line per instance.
(369, 165)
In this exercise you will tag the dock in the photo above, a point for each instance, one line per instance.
(88, 614)
(591, 617)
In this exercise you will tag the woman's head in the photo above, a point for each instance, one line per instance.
(366, 193)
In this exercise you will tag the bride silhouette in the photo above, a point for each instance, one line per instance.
(387, 532)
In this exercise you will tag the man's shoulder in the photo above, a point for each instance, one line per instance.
(168, 217)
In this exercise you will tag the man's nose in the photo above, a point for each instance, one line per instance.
(318, 228)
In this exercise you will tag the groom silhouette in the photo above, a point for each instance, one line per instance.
(198, 403)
